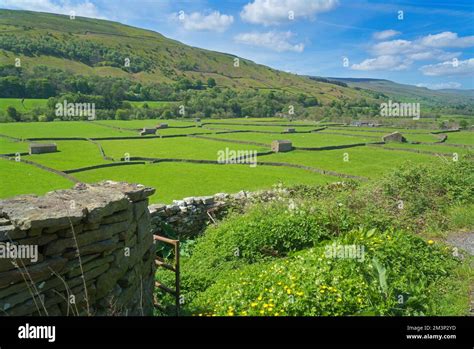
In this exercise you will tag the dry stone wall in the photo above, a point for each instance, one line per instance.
(94, 252)
(189, 217)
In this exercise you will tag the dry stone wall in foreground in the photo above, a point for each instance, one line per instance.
(94, 252)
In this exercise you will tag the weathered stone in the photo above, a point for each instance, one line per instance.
(35, 232)
(132, 230)
(134, 192)
(107, 280)
(88, 276)
(71, 231)
(97, 247)
(75, 263)
(91, 226)
(140, 208)
(58, 246)
(279, 146)
(89, 265)
(38, 148)
(122, 216)
(6, 263)
(9, 232)
(394, 137)
(100, 215)
(38, 240)
(36, 272)
(156, 208)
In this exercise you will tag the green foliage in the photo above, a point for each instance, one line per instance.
(264, 232)
(273, 259)
(12, 113)
(85, 51)
(397, 276)
(211, 82)
(430, 187)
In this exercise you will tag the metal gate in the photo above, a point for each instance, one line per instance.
(161, 263)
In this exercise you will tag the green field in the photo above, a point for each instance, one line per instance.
(308, 140)
(362, 161)
(18, 105)
(57, 129)
(178, 180)
(410, 136)
(178, 148)
(70, 155)
(175, 180)
(463, 137)
(265, 128)
(20, 178)
(8, 146)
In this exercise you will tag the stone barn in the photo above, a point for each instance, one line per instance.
(394, 137)
(281, 146)
(162, 126)
(147, 131)
(290, 130)
(37, 148)
(197, 119)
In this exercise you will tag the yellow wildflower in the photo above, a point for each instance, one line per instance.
(430, 242)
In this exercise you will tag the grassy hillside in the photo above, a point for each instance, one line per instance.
(159, 58)
(411, 93)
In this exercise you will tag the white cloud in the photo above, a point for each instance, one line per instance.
(449, 68)
(428, 45)
(83, 9)
(271, 12)
(386, 34)
(447, 39)
(274, 40)
(441, 85)
(214, 21)
(396, 47)
(381, 63)
(433, 54)
(388, 53)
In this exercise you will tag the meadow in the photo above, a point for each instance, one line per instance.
(22, 105)
(182, 176)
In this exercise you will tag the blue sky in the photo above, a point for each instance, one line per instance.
(426, 43)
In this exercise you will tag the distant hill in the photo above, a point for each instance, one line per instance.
(97, 47)
(411, 93)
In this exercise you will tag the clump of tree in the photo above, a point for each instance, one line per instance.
(85, 51)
